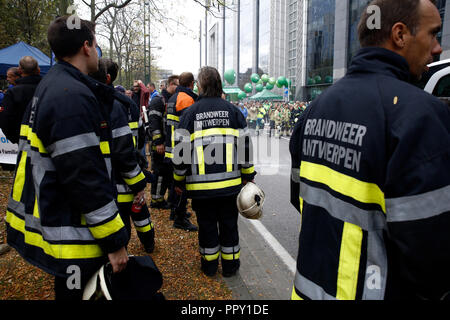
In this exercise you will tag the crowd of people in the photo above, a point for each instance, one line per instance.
(370, 161)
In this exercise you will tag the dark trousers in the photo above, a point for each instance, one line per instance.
(142, 222)
(218, 233)
(163, 172)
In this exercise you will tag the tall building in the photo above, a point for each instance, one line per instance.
(312, 42)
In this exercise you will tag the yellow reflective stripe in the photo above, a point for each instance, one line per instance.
(173, 137)
(58, 251)
(229, 257)
(230, 148)
(36, 208)
(135, 180)
(107, 229)
(156, 136)
(359, 190)
(169, 155)
(201, 161)
(35, 142)
(134, 141)
(133, 125)
(178, 178)
(211, 257)
(350, 255)
(295, 296)
(104, 146)
(214, 132)
(124, 198)
(301, 205)
(19, 182)
(145, 229)
(248, 170)
(213, 185)
(172, 117)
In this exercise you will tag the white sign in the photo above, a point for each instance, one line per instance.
(8, 150)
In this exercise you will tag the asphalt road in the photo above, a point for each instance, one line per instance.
(273, 164)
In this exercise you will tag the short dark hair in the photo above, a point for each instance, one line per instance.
(101, 73)
(391, 12)
(210, 82)
(186, 78)
(65, 42)
(172, 79)
(151, 84)
(14, 70)
(112, 68)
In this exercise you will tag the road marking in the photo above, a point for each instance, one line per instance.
(279, 250)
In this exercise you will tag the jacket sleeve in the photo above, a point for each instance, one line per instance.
(8, 117)
(417, 193)
(295, 149)
(73, 144)
(123, 151)
(155, 118)
(182, 143)
(248, 172)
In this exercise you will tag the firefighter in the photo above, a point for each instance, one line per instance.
(260, 119)
(128, 176)
(285, 119)
(252, 117)
(62, 216)
(183, 98)
(161, 168)
(272, 115)
(278, 121)
(213, 178)
(371, 173)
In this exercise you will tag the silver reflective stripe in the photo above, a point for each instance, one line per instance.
(169, 149)
(73, 143)
(159, 186)
(173, 123)
(295, 175)
(130, 175)
(108, 164)
(209, 251)
(121, 132)
(155, 113)
(154, 133)
(102, 214)
(310, 289)
(376, 267)
(123, 188)
(36, 158)
(65, 233)
(214, 177)
(231, 250)
(344, 211)
(142, 223)
(180, 172)
(422, 206)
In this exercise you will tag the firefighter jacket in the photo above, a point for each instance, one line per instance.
(214, 156)
(374, 181)
(62, 209)
(128, 174)
(14, 104)
(261, 113)
(181, 100)
(156, 118)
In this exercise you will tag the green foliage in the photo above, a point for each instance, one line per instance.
(28, 20)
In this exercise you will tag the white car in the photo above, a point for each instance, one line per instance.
(436, 81)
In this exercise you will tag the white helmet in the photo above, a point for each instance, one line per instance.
(96, 288)
(250, 201)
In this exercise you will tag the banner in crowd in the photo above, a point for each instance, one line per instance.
(8, 150)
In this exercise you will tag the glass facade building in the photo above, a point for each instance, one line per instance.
(320, 46)
(264, 35)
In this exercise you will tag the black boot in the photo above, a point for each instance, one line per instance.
(182, 222)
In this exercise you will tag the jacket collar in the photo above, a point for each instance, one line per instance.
(382, 61)
(188, 91)
(33, 79)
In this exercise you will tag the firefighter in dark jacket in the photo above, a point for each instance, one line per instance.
(18, 97)
(212, 162)
(183, 98)
(161, 169)
(373, 171)
(62, 216)
(128, 176)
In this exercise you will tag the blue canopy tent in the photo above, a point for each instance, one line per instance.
(10, 56)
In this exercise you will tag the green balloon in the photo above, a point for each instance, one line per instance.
(269, 86)
(248, 87)
(282, 81)
(318, 79)
(255, 78)
(265, 78)
(230, 76)
(242, 95)
(272, 81)
(259, 87)
(195, 89)
(311, 82)
(328, 79)
(289, 82)
(279, 84)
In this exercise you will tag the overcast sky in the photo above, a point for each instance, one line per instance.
(179, 52)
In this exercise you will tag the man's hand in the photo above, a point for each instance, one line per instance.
(161, 149)
(118, 260)
(140, 197)
(179, 191)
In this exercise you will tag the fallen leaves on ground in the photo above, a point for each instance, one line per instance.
(176, 255)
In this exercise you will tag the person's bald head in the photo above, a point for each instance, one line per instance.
(28, 66)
